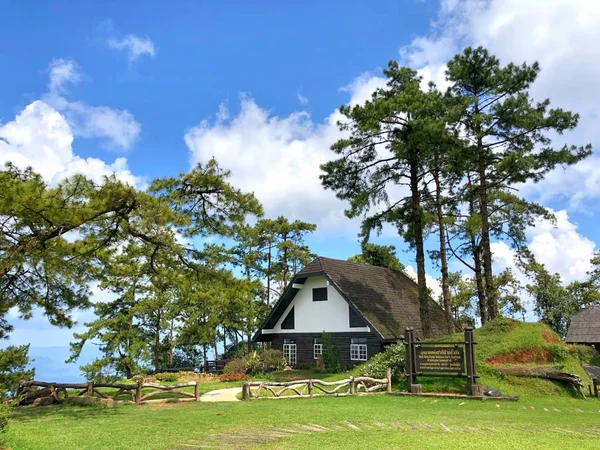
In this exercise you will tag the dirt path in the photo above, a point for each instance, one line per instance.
(221, 395)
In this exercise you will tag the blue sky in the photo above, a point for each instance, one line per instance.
(147, 89)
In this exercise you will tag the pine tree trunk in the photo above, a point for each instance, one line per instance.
(492, 302)
(156, 355)
(171, 344)
(204, 357)
(418, 237)
(475, 250)
(443, 257)
(269, 276)
(224, 339)
(249, 336)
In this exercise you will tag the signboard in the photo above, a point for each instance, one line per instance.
(440, 359)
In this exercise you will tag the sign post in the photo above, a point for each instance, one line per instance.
(441, 359)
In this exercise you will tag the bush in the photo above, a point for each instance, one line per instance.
(331, 355)
(235, 366)
(273, 359)
(268, 361)
(167, 377)
(394, 357)
(233, 377)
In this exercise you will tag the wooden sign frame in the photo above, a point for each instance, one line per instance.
(442, 359)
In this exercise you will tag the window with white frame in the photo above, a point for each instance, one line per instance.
(358, 349)
(289, 351)
(317, 347)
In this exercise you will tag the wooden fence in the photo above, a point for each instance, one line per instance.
(209, 366)
(314, 387)
(29, 391)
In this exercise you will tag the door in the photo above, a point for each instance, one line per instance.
(289, 353)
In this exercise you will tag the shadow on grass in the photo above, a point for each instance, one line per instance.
(35, 413)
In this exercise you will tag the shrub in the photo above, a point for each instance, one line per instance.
(235, 366)
(273, 359)
(331, 355)
(167, 377)
(4, 411)
(233, 377)
(394, 357)
(253, 363)
(267, 361)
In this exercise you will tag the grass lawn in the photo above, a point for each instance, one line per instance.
(545, 423)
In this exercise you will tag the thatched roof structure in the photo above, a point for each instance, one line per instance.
(585, 327)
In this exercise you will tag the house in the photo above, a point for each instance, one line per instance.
(585, 327)
(362, 307)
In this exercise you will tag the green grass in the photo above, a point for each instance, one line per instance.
(523, 424)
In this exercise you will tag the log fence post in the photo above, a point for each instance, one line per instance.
(389, 380)
(138, 392)
(90, 389)
(352, 386)
(310, 387)
(245, 391)
(197, 391)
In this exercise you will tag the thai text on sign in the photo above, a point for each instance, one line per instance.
(439, 359)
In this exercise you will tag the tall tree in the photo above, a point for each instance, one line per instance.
(389, 140)
(50, 236)
(508, 135)
(378, 255)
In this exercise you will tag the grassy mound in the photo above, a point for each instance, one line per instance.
(506, 343)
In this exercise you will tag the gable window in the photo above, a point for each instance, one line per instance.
(317, 347)
(289, 351)
(355, 320)
(288, 322)
(320, 294)
(358, 349)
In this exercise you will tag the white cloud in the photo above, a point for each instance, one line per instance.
(135, 46)
(41, 137)
(562, 36)
(561, 248)
(302, 99)
(432, 283)
(117, 127)
(62, 72)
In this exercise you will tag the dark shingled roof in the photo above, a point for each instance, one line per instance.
(386, 298)
(585, 327)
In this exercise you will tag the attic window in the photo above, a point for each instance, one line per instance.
(355, 320)
(320, 294)
(288, 322)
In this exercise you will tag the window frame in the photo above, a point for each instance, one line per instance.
(359, 349)
(317, 347)
(320, 289)
(291, 349)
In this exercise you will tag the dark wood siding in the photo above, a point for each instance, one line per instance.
(304, 345)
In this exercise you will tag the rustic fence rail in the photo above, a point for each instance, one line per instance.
(29, 391)
(313, 387)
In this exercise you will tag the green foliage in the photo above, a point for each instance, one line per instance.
(268, 360)
(167, 377)
(100, 370)
(234, 366)
(378, 255)
(14, 367)
(394, 357)
(331, 355)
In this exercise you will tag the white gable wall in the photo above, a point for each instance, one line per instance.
(331, 316)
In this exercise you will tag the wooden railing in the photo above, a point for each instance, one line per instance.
(313, 387)
(209, 366)
(29, 391)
